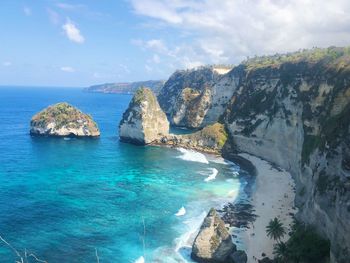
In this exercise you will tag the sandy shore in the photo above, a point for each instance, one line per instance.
(273, 197)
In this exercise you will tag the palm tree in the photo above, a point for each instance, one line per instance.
(275, 229)
(280, 250)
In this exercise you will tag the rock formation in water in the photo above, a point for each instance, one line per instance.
(144, 121)
(62, 120)
(292, 110)
(213, 242)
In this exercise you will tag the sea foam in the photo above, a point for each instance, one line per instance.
(192, 156)
(181, 212)
(212, 176)
(140, 260)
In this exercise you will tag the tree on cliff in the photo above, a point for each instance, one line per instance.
(275, 229)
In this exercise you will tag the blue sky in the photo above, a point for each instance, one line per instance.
(80, 43)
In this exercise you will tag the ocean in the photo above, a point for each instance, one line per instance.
(66, 200)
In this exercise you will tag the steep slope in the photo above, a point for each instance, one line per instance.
(195, 98)
(295, 112)
(144, 121)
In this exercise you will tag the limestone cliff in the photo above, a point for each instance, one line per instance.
(294, 111)
(195, 98)
(143, 122)
(63, 119)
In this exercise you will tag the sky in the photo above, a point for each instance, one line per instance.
(81, 43)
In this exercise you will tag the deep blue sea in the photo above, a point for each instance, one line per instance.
(65, 199)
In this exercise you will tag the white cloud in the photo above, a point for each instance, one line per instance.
(7, 63)
(27, 11)
(67, 69)
(228, 31)
(72, 32)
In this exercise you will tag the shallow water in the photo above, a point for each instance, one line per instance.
(64, 198)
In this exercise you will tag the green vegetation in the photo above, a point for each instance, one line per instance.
(215, 133)
(144, 94)
(189, 94)
(310, 144)
(275, 229)
(62, 114)
(322, 182)
(334, 56)
(304, 245)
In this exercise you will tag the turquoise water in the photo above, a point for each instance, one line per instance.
(62, 199)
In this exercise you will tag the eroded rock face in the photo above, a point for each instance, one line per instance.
(197, 97)
(213, 242)
(62, 119)
(210, 139)
(144, 121)
(296, 115)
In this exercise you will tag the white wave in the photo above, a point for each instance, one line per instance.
(181, 212)
(235, 173)
(192, 156)
(140, 260)
(212, 176)
(66, 138)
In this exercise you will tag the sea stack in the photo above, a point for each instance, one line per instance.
(62, 120)
(144, 121)
(213, 243)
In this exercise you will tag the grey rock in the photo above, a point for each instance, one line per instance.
(239, 256)
(144, 121)
(213, 242)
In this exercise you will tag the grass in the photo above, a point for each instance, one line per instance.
(62, 114)
(215, 132)
(334, 56)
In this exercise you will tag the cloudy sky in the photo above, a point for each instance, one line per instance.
(80, 43)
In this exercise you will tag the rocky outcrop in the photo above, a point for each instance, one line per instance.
(63, 120)
(213, 242)
(210, 139)
(144, 121)
(239, 256)
(195, 98)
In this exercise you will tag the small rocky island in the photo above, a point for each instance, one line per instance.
(63, 120)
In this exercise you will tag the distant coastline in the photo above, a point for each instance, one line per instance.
(125, 87)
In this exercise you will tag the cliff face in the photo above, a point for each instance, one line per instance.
(292, 110)
(195, 98)
(63, 119)
(144, 121)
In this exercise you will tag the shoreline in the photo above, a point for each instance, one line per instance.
(272, 197)
(269, 193)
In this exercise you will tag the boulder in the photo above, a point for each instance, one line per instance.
(213, 242)
(239, 256)
(62, 119)
(144, 121)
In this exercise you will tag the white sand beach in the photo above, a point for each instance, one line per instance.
(273, 197)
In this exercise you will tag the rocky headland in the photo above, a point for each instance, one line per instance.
(125, 87)
(63, 120)
(291, 110)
